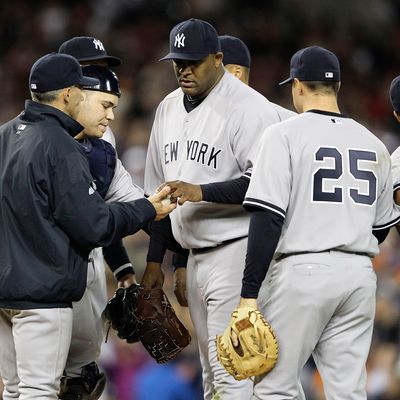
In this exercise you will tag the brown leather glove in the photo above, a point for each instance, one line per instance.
(148, 316)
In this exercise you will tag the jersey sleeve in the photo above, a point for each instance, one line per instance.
(270, 183)
(154, 175)
(122, 188)
(396, 169)
(387, 212)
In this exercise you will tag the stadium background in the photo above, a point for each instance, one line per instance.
(363, 33)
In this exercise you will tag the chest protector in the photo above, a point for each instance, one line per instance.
(102, 160)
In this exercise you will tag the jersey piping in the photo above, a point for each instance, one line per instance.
(249, 201)
(387, 225)
(329, 113)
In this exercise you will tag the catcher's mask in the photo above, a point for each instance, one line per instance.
(108, 80)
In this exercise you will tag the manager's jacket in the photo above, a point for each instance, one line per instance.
(51, 215)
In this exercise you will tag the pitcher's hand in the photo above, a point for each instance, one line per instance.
(153, 277)
(162, 202)
(180, 286)
(183, 191)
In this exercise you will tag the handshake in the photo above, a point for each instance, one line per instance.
(162, 203)
(172, 193)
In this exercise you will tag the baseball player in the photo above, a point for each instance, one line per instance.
(237, 61)
(320, 215)
(205, 132)
(82, 377)
(394, 94)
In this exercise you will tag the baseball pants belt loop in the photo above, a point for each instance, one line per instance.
(202, 250)
(283, 256)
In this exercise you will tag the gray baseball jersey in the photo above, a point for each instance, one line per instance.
(215, 142)
(396, 168)
(122, 187)
(331, 191)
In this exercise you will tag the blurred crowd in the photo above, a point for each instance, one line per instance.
(363, 33)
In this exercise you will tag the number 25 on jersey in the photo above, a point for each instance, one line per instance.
(352, 168)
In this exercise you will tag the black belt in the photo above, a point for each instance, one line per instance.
(356, 253)
(202, 250)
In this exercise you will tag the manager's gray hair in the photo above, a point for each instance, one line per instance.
(45, 97)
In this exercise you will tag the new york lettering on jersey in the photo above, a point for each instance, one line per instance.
(197, 151)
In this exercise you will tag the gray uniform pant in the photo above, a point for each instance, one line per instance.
(33, 351)
(320, 304)
(214, 281)
(88, 324)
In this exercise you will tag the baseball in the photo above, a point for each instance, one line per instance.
(166, 201)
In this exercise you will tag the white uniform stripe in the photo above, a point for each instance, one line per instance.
(264, 205)
(387, 225)
(247, 175)
(122, 267)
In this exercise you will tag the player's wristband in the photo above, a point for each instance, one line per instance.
(123, 270)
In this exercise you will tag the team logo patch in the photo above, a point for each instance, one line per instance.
(180, 40)
(328, 74)
(20, 128)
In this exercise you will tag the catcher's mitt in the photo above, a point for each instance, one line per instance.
(257, 349)
(147, 315)
(120, 313)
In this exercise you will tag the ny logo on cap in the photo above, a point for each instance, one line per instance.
(328, 74)
(98, 44)
(180, 40)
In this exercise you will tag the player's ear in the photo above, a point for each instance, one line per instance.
(238, 71)
(65, 94)
(297, 86)
(218, 59)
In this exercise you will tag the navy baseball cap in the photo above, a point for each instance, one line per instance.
(235, 51)
(87, 48)
(394, 93)
(57, 71)
(314, 64)
(192, 39)
(108, 80)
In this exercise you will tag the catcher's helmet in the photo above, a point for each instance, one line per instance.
(108, 80)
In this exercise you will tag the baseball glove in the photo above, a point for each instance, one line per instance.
(120, 313)
(147, 315)
(257, 350)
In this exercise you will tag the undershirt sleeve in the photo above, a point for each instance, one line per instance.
(264, 233)
(231, 192)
